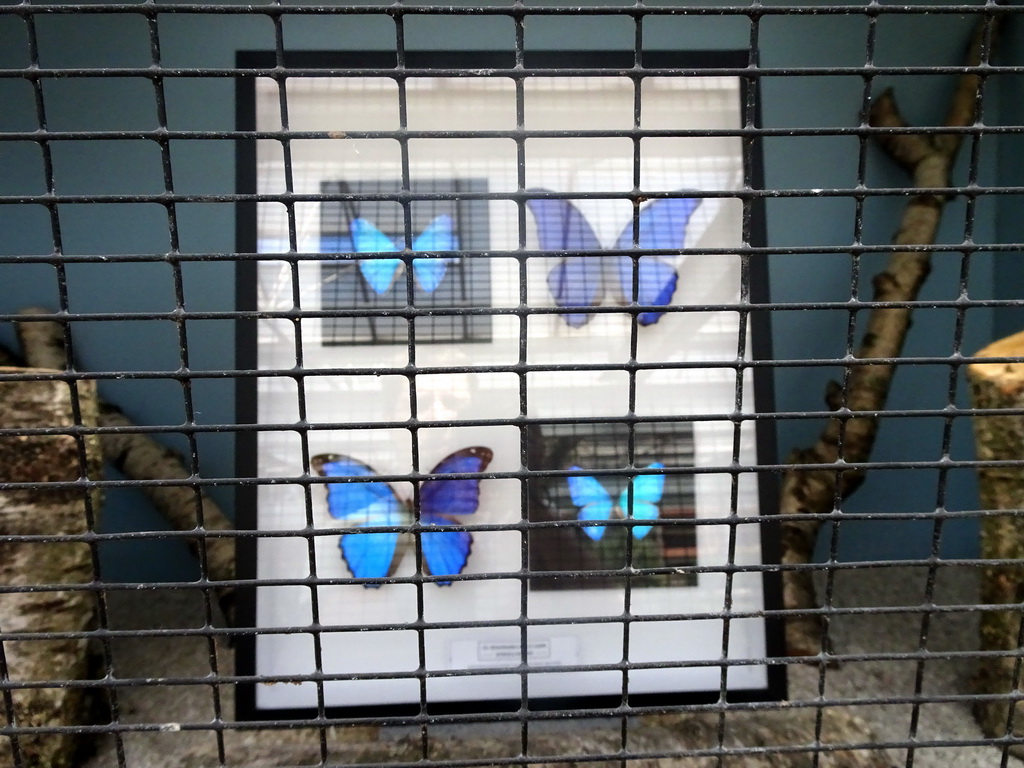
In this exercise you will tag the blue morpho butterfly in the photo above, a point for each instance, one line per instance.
(595, 503)
(380, 274)
(374, 504)
(581, 280)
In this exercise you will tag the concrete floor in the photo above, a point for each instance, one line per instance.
(946, 735)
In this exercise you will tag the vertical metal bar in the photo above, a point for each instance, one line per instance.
(523, 316)
(422, 672)
(64, 308)
(634, 330)
(947, 427)
(185, 380)
(749, 118)
(9, 712)
(281, 79)
(851, 346)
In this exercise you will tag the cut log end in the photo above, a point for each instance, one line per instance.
(1007, 376)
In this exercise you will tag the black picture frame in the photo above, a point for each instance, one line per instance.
(731, 64)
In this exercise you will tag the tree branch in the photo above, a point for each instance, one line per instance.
(929, 159)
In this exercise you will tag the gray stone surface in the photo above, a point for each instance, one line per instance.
(182, 717)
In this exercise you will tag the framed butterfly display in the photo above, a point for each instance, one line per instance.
(506, 376)
(375, 281)
(643, 517)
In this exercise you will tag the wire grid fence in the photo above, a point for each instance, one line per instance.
(409, 317)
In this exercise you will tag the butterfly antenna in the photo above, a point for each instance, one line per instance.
(349, 206)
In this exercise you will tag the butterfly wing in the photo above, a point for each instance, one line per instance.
(575, 281)
(662, 226)
(445, 553)
(438, 236)
(350, 501)
(647, 492)
(658, 281)
(375, 555)
(363, 505)
(561, 226)
(663, 223)
(594, 502)
(378, 273)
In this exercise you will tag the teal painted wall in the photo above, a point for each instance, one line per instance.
(1008, 267)
(207, 167)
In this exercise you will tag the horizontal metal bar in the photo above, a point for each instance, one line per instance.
(161, 135)
(822, 249)
(513, 10)
(169, 198)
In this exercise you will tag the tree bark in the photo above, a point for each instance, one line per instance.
(850, 439)
(1000, 438)
(140, 457)
(33, 571)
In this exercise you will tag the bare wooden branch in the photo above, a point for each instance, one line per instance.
(1000, 438)
(42, 341)
(140, 457)
(42, 567)
(929, 159)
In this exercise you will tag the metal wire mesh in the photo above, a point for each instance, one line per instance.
(161, 155)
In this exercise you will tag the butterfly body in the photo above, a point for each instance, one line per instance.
(595, 503)
(581, 280)
(374, 504)
(380, 273)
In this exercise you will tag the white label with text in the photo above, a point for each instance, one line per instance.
(548, 652)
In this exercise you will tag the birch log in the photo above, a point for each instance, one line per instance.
(32, 572)
(1000, 438)
(140, 457)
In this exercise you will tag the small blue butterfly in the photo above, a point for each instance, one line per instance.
(579, 281)
(380, 274)
(595, 503)
(374, 504)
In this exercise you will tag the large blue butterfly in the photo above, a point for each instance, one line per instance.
(380, 273)
(375, 505)
(595, 503)
(581, 280)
